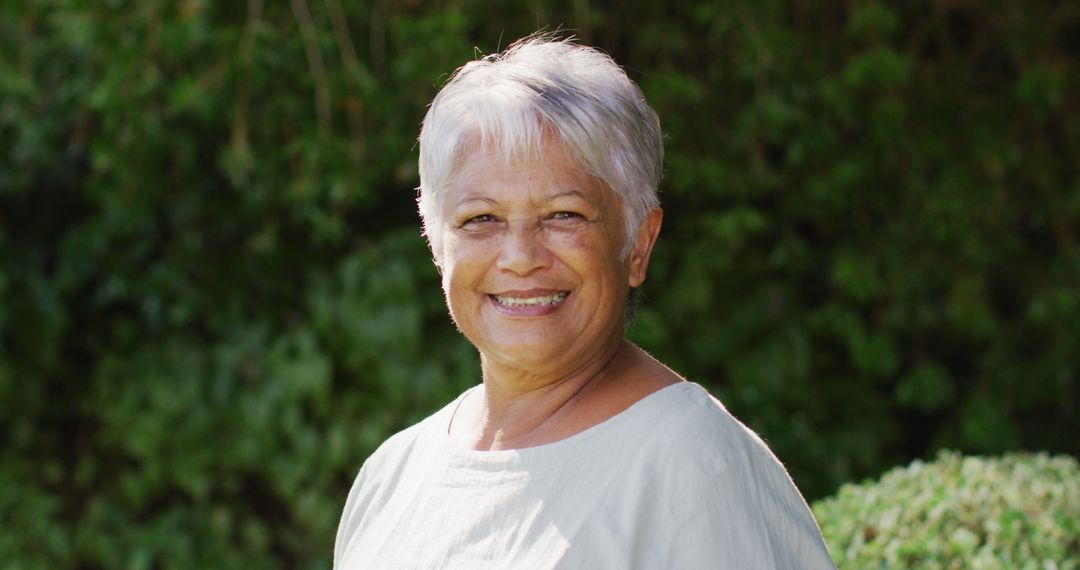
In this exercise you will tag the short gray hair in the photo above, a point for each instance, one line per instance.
(508, 100)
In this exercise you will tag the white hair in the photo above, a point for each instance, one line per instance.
(507, 101)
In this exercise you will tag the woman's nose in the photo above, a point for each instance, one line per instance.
(522, 250)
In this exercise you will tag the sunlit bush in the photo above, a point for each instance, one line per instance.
(1016, 511)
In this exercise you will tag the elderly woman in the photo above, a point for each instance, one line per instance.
(538, 192)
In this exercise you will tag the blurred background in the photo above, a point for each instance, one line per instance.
(215, 301)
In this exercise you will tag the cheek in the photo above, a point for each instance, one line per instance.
(454, 279)
(594, 251)
(592, 239)
(454, 287)
(463, 264)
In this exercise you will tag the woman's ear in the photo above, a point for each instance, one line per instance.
(643, 246)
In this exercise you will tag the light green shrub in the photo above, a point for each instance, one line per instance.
(1015, 511)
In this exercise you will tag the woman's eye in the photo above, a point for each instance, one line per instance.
(481, 219)
(565, 216)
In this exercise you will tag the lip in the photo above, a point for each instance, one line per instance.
(546, 302)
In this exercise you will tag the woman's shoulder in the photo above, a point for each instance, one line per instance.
(397, 450)
(676, 435)
(696, 442)
(686, 417)
(715, 471)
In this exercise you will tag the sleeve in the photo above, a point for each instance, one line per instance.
(350, 520)
(737, 509)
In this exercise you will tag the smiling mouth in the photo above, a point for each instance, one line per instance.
(537, 301)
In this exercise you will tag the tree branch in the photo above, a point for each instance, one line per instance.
(310, 38)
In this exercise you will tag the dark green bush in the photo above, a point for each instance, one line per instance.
(215, 302)
(1016, 511)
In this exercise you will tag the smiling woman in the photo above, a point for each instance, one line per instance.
(539, 171)
(530, 253)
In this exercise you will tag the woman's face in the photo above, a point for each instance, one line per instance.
(531, 260)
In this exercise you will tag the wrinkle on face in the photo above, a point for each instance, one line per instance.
(518, 225)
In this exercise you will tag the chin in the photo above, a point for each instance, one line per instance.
(526, 353)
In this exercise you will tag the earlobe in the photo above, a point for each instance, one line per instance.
(643, 246)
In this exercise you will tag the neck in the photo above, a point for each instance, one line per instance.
(519, 408)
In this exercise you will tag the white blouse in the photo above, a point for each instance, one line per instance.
(674, 481)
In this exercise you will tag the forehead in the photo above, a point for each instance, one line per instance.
(547, 170)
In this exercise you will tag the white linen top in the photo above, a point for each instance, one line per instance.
(672, 482)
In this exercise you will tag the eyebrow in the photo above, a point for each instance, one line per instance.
(557, 195)
(547, 200)
(476, 198)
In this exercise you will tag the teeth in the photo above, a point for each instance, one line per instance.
(531, 301)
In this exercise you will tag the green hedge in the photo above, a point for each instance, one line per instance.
(215, 302)
(1015, 511)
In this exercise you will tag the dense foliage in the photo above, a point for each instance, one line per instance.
(215, 302)
(1017, 511)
